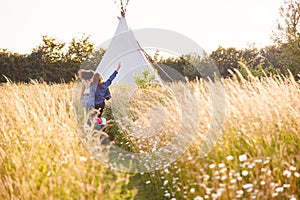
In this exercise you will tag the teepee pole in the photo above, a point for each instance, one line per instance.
(123, 8)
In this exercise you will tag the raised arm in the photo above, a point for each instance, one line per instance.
(113, 76)
(119, 66)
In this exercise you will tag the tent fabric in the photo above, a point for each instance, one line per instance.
(125, 48)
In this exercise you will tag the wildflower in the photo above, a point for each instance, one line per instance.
(167, 194)
(263, 170)
(82, 158)
(206, 177)
(208, 190)
(286, 185)
(223, 170)
(296, 174)
(165, 182)
(251, 165)
(274, 194)
(220, 190)
(292, 168)
(212, 166)
(147, 182)
(287, 173)
(237, 174)
(279, 189)
(239, 192)
(192, 190)
(233, 181)
(266, 162)
(220, 165)
(248, 185)
(272, 184)
(262, 182)
(198, 198)
(243, 158)
(229, 158)
(245, 173)
(214, 196)
(258, 161)
(292, 197)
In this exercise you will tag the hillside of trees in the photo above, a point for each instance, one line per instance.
(54, 61)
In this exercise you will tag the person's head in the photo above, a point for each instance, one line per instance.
(100, 80)
(85, 74)
(96, 78)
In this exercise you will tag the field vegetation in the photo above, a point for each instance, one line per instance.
(256, 157)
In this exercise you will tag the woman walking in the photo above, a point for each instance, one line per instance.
(102, 92)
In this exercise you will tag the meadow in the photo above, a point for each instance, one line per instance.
(257, 155)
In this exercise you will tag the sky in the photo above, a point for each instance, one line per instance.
(210, 23)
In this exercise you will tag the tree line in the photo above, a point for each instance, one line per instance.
(54, 61)
(51, 61)
(281, 58)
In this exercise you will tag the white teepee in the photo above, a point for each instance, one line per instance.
(125, 48)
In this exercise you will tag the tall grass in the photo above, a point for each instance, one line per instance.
(256, 157)
(41, 156)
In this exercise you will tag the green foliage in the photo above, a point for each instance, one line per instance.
(92, 61)
(287, 37)
(51, 61)
(226, 59)
(147, 80)
(79, 50)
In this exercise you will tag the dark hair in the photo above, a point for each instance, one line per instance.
(86, 74)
